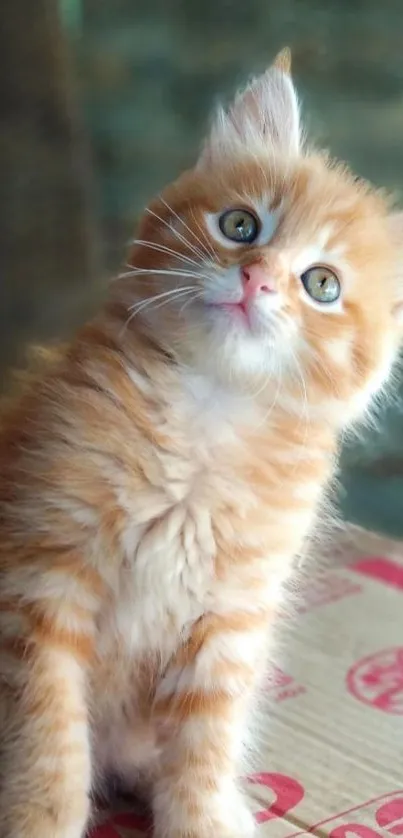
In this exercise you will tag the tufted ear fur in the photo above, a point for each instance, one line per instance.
(264, 114)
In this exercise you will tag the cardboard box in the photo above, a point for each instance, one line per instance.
(332, 764)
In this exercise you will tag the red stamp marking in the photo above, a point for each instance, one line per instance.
(383, 570)
(380, 817)
(128, 820)
(377, 680)
(287, 792)
(325, 589)
(281, 685)
(276, 796)
(390, 816)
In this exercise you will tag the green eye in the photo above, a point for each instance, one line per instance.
(321, 284)
(239, 226)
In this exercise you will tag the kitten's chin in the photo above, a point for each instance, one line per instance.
(239, 319)
(229, 350)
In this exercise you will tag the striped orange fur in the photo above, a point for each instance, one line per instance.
(159, 474)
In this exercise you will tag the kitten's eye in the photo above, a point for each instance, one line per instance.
(321, 284)
(239, 226)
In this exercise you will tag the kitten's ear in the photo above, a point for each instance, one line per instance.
(265, 114)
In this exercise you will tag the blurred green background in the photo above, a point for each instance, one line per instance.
(103, 101)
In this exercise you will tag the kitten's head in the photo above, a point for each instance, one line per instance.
(269, 262)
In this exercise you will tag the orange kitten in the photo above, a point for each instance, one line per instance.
(160, 473)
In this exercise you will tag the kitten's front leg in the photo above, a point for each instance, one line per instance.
(45, 763)
(205, 699)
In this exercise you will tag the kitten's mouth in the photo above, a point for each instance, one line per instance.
(239, 311)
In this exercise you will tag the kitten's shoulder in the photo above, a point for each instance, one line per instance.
(23, 385)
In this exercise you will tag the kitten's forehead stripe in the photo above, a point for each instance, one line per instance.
(315, 254)
(269, 219)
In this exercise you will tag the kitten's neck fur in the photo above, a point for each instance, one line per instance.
(198, 393)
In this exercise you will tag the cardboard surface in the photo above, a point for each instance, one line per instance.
(332, 764)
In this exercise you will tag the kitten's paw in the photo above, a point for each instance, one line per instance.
(41, 822)
(226, 817)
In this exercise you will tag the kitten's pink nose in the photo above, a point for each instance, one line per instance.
(256, 280)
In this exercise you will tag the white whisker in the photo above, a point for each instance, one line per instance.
(173, 292)
(192, 233)
(182, 292)
(142, 305)
(149, 303)
(305, 411)
(196, 296)
(260, 390)
(209, 245)
(163, 272)
(272, 406)
(178, 235)
(162, 248)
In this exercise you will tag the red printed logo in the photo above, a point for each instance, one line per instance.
(377, 680)
(275, 796)
(381, 817)
(127, 820)
(387, 571)
(282, 686)
(325, 589)
(287, 792)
